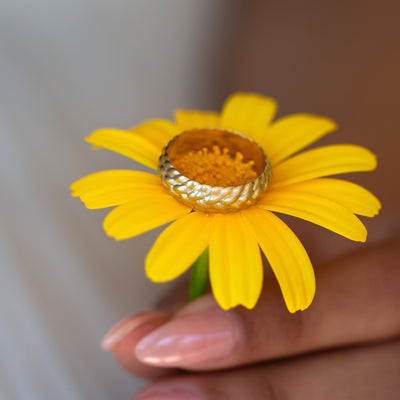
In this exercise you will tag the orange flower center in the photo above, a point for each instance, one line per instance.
(217, 157)
(216, 167)
(214, 170)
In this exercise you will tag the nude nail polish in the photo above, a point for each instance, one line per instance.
(190, 340)
(126, 326)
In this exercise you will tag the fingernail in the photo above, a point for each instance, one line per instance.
(126, 326)
(190, 340)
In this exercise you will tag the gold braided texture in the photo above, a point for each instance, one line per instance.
(204, 197)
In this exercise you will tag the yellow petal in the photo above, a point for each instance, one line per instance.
(249, 114)
(290, 134)
(157, 131)
(324, 161)
(112, 188)
(147, 211)
(128, 144)
(354, 197)
(316, 209)
(236, 272)
(287, 257)
(178, 247)
(187, 120)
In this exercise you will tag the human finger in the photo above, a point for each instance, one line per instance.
(364, 372)
(122, 338)
(357, 301)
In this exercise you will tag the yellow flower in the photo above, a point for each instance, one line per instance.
(234, 236)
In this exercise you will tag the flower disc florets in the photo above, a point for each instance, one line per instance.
(214, 170)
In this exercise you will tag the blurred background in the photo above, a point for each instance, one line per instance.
(68, 67)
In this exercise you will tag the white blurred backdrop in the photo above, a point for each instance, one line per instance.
(68, 67)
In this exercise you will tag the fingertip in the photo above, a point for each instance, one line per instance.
(122, 339)
(128, 325)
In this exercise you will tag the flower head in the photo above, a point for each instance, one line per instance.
(221, 178)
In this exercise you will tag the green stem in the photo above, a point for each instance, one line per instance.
(199, 279)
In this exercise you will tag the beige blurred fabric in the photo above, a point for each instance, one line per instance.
(66, 68)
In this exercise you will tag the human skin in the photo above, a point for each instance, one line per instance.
(354, 317)
(329, 58)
